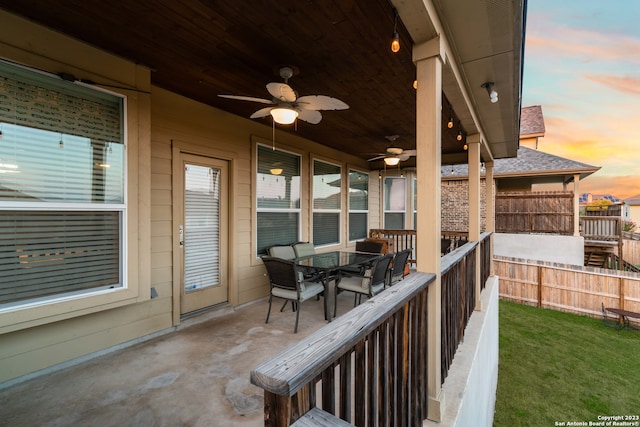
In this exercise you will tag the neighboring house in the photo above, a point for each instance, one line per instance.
(522, 173)
(530, 169)
(531, 126)
(122, 143)
(631, 209)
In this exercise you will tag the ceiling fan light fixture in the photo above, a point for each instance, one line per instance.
(284, 116)
(391, 161)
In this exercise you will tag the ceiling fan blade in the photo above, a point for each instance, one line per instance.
(404, 157)
(321, 102)
(263, 112)
(247, 98)
(377, 158)
(409, 152)
(281, 91)
(310, 116)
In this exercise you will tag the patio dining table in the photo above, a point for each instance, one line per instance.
(330, 263)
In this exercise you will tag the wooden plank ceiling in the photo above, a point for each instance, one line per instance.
(203, 48)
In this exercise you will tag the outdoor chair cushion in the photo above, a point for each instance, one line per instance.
(307, 291)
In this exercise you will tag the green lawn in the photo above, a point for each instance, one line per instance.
(558, 368)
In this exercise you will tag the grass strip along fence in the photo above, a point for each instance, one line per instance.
(558, 367)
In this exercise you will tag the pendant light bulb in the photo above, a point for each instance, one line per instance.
(395, 43)
(395, 40)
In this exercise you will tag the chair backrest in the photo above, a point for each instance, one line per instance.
(399, 262)
(380, 269)
(369, 246)
(282, 251)
(282, 273)
(445, 246)
(304, 249)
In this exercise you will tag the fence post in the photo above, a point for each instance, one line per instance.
(539, 286)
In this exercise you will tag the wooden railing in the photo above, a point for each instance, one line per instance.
(369, 366)
(601, 228)
(459, 293)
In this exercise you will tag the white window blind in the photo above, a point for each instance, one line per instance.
(327, 202)
(278, 198)
(358, 205)
(49, 253)
(394, 203)
(62, 188)
(202, 227)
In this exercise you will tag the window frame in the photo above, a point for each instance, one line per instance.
(349, 210)
(65, 306)
(258, 209)
(386, 196)
(338, 210)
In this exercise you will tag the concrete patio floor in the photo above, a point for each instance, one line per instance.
(197, 375)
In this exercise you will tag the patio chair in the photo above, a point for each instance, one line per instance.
(285, 281)
(304, 249)
(445, 246)
(371, 282)
(398, 270)
(282, 251)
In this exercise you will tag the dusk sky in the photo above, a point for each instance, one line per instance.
(582, 65)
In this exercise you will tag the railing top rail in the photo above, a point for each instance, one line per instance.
(448, 261)
(296, 366)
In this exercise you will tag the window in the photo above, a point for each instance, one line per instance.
(394, 203)
(278, 198)
(327, 195)
(358, 205)
(62, 188)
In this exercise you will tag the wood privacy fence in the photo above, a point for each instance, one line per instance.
(574, 289)
(631, 251)
(535, 212)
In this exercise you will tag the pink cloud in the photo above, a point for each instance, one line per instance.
(621, 84)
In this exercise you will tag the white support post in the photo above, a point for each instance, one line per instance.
(428, 58)
(473, 142)
(576, 204)
(490, 205)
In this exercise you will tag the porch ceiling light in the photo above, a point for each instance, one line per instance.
(493, 95)
(391, 161)
(284, 116)
(275, 171)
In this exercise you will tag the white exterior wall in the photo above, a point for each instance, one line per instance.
(540, 247)
(470, 389)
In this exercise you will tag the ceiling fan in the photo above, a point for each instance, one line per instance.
(394, 155)
(285, 105)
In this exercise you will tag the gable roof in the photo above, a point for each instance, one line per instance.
(633, 200)
(541, 167)
(531, 122)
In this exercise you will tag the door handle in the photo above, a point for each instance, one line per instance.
(181, 234)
